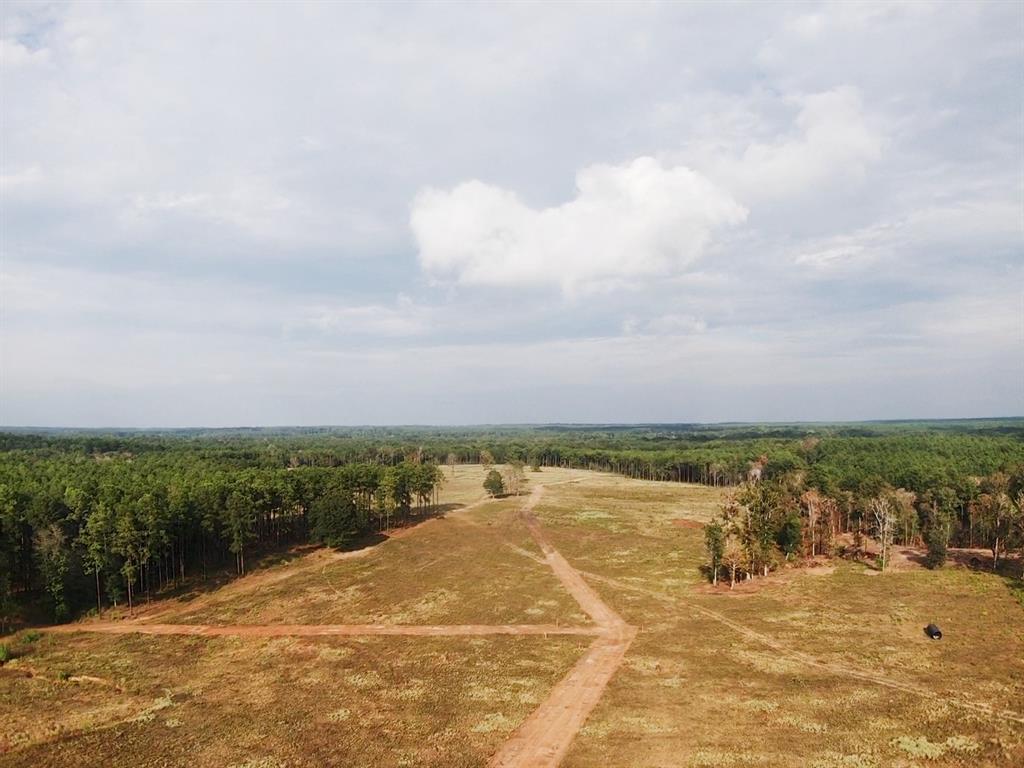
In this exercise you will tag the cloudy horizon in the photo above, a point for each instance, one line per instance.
(305, 214)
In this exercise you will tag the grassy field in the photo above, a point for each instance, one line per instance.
(828, 667)
(693, 689)
(284, 701)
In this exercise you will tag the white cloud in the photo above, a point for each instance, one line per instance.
(34, 296)
(834, 142)
(671, 324)
(403, 319)
(251, 205)
(627, 223)
(827, 258)
(211, 193)
(20, 183)
(14, 55)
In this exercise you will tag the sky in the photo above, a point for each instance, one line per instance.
(228, 214)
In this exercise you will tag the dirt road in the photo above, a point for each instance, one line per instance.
(322, 630)
(546, 735)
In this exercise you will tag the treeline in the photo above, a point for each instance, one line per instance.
(763, 524)
(918, 456)
(87, 516)
(79, 529)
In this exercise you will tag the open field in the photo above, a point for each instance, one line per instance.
(143, 700)
(833, 667)
(827, 667)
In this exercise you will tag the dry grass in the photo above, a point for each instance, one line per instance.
(457, 569)
(224, 701)
(694, 690)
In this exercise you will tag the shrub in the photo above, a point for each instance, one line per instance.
(32, 635)
(5, 653)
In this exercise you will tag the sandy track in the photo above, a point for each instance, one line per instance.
(323, 630)
(840, 670)
(545, 736)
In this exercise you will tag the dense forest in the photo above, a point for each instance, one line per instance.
(81, 525)
(95, 517)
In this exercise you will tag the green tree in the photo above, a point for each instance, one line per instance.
(238, 523)
(790, 535)
(129, 543)
(333, 516)
(8, 525)
(714, 542)
(52, 552)
(96, 539)
(493, 483)
(936, 540)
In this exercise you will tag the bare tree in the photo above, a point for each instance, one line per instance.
(906, 514)
(734, 558)
(514, 477)
(811, 501)
(996, 514)
(884, 516)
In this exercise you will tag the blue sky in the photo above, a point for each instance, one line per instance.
(219, 214)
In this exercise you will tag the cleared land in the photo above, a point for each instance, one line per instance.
(823, 668)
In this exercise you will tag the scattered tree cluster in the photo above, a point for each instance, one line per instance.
(764, 524)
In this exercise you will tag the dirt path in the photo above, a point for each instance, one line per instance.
(322, 630)
(544, 738)
(840, 670)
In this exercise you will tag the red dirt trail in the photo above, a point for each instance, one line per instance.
(322, 630)
(546, 735)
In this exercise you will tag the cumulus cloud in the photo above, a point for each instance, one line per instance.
(627, 223)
